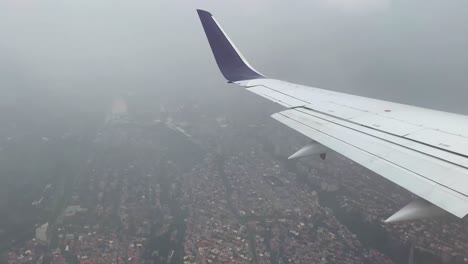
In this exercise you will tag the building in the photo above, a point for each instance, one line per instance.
(42, 235)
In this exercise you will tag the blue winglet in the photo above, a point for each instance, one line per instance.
(230, 61)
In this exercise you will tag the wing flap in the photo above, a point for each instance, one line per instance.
(416, 172)
(439, 139)
(386, 124)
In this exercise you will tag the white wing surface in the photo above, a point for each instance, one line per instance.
(422, 150)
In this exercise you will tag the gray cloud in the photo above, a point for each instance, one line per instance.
(62, 50)
(360, 6)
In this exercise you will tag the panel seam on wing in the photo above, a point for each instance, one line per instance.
(420, 175)
(388, 133)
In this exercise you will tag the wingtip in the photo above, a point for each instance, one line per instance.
(230, 61)
(203, 12)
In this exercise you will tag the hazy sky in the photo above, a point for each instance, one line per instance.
(405, 51)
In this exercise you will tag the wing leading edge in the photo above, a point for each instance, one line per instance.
(420, 149)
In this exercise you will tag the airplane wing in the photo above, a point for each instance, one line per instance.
(422, 150)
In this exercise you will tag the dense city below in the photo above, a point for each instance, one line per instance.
(192, 187)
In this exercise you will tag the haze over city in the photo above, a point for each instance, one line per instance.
(121, 142)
